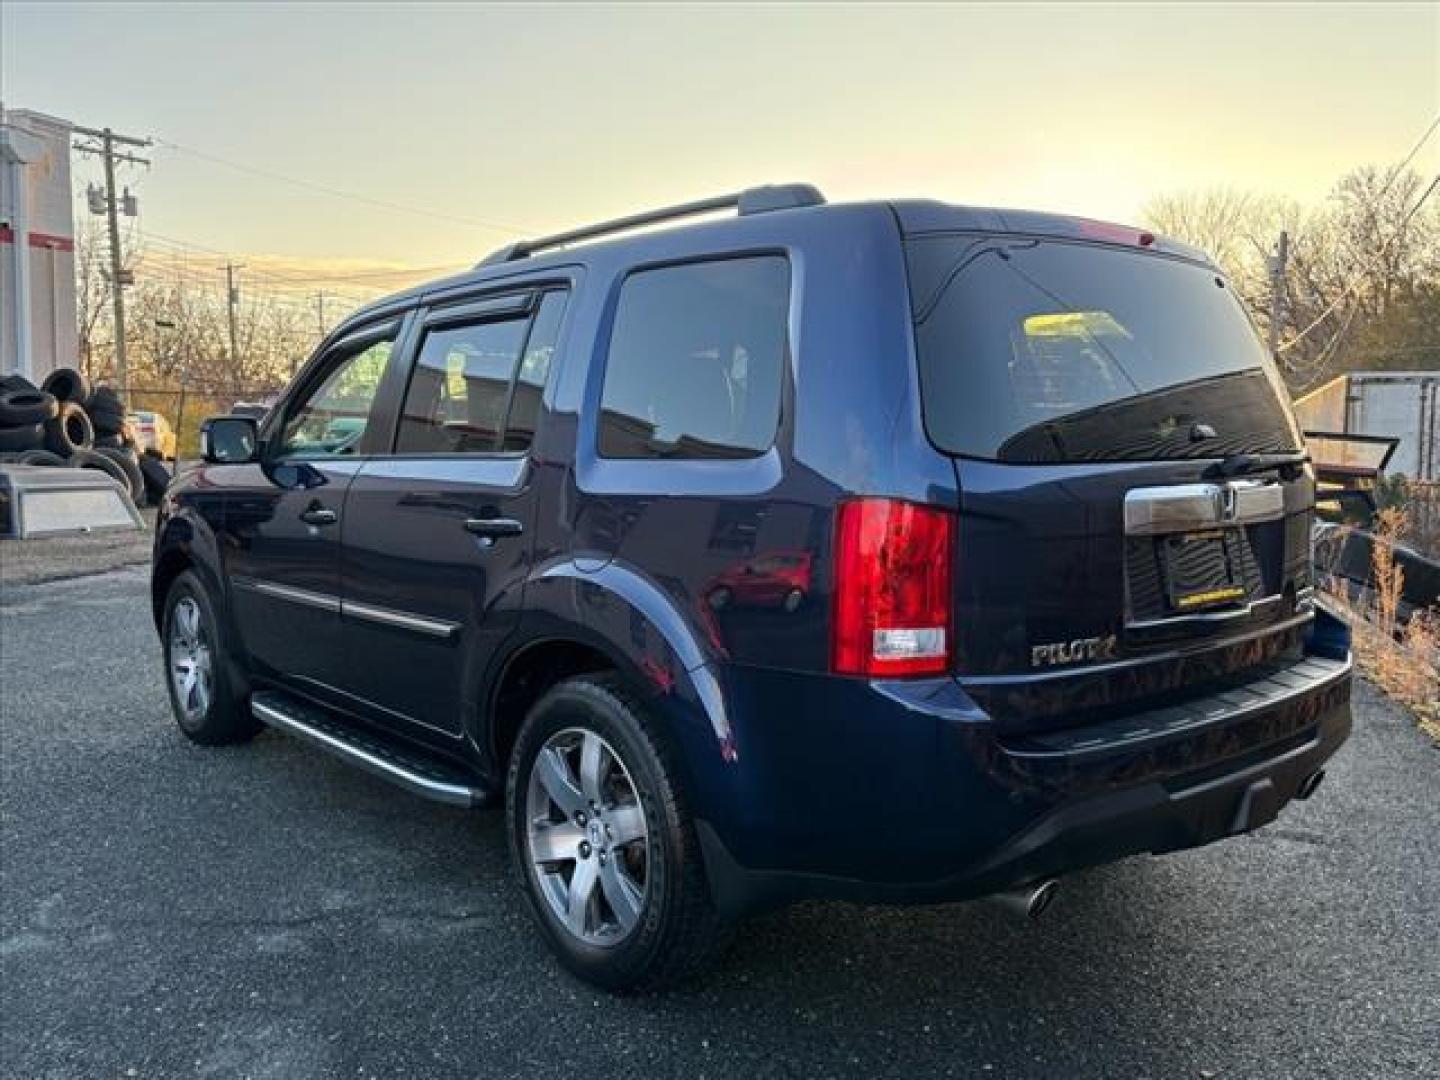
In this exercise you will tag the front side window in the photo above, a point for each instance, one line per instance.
(460, 387)
(332, 420)
(696, 361)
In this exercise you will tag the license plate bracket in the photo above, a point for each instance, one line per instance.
(1200, 570)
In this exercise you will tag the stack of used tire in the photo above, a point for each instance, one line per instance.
(65, 422)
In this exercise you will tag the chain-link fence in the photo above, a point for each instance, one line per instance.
(184, 408)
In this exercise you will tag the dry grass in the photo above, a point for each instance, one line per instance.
(1402, 658)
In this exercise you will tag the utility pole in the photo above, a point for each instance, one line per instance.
(169, 325)
(112, 209)
(1277, 290)
(319, 325)
(232, 298)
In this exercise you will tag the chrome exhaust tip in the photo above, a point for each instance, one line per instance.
(1309, 785)
(1029, 901)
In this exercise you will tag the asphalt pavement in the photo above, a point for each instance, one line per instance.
(264, 911)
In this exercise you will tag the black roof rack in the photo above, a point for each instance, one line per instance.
(756, 200)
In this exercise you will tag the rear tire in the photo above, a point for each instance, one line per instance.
(658, 930)
(209, 707)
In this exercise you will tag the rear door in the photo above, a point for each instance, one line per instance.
(438, 531)
(1127, 464)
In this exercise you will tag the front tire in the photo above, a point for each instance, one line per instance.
(603, 841)
(208, 706)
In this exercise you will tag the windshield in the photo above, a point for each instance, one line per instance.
(1050, 351)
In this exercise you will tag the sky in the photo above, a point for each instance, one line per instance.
(499, 121)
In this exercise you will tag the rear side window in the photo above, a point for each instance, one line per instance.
(696, 360)
(1035, 351)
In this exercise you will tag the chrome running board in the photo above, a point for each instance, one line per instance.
(429, 778)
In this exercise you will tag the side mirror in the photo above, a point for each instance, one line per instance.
(229, 440)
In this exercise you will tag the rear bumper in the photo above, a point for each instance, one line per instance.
(980, 814)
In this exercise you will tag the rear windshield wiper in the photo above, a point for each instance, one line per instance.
(1242, 464)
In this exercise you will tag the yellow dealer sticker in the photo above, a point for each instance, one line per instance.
(1210, 596)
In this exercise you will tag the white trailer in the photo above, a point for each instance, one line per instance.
(1401, 404)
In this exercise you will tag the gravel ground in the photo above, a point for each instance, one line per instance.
(51, 558)
(168, 911)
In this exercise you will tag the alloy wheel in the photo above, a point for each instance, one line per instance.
(586, 837)
(191, 659)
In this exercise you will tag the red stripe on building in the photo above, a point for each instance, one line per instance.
(39, 240)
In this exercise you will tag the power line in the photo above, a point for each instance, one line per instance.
(1333, 344)
(397, 272)
(1389, 180)
(157, 266)
(299, 280)
(291, 297)
(1357, 282)
(1323, 356)
(282, 292)
(1434, 124)
(184, 248)
(385, 204)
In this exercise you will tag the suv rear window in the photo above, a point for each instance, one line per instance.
(1050, 351)
(696, 359)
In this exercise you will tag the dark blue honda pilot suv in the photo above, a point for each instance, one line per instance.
(895, 552)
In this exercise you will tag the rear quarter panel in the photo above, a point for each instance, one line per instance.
(849, 426)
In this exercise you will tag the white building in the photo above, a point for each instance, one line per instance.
(37, 245)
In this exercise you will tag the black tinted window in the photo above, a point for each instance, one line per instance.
(534, 370)
(696, 360)
(460, 387)
(1040, 351)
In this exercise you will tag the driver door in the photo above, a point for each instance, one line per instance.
(283, 514)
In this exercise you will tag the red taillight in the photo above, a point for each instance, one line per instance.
(892, 589)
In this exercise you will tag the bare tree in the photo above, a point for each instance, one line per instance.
(92, 296)
(1364, 271)
(1236, 228)
(179, 330)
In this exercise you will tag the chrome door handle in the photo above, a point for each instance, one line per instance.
(319, 515)
(494, 528)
